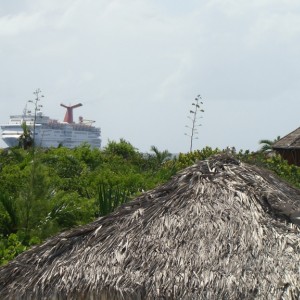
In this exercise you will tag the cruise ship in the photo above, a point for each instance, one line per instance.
(52, 133)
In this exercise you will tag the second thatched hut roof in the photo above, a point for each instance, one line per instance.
(220, 229)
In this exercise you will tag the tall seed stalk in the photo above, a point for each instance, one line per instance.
(194, 119)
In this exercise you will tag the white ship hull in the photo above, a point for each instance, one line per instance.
(47, 136)
(50, 133)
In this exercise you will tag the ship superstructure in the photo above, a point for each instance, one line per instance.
(52, 133)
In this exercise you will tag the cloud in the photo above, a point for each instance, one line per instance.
(13, 25)
(143, 62)
(279, 29)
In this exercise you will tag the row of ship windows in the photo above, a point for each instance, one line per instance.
(12, 133)
(46, 134)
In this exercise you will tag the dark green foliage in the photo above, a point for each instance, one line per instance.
(123, 149)
(110, 197)
(9, 218)
(159, 157)
(25, 140)
(185, 160)
(46, 191)
(10, 247)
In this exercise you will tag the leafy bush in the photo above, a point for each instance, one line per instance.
(10, 247)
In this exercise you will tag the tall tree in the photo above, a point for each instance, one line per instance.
(195, 120)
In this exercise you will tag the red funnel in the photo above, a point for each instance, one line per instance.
(69, 113)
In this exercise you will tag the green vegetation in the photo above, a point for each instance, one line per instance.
(267, 144)
(46, 191)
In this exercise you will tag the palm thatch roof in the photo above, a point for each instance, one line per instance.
(219, 229)
(289, 147)
(290, 141)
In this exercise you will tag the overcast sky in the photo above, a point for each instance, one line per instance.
(137, 66)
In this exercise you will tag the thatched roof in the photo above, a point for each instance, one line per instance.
(220, 229)
(290, 141)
